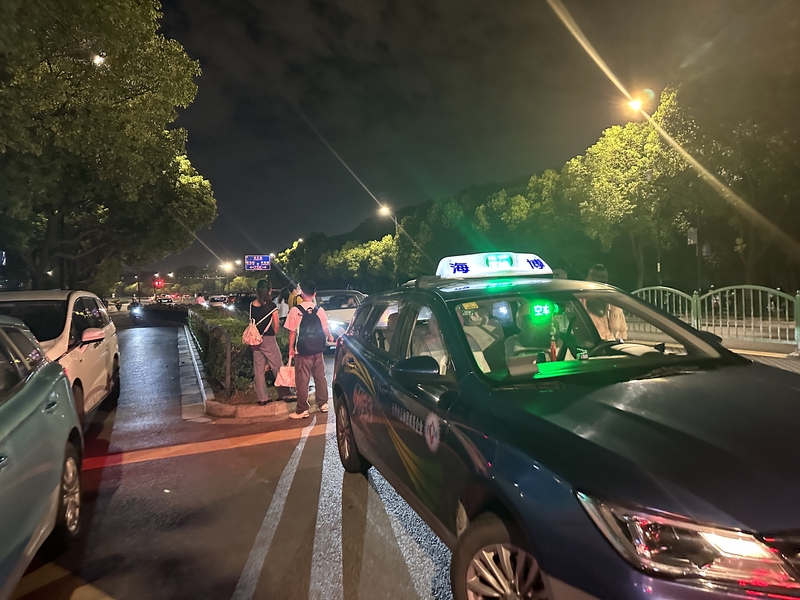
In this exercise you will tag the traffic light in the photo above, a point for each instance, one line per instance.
(158, 283)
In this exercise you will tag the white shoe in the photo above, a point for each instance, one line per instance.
(296, 415)
(324, 408)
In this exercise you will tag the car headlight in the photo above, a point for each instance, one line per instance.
(675, 547)
(337, 327)
(230, 307)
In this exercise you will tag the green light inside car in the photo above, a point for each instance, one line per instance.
(499, 261)
(541, 311)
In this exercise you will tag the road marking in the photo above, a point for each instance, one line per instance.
(326, 558)
(231, 443)
(255, 561)
(51, 573)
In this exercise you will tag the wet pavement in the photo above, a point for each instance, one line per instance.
(213, 510)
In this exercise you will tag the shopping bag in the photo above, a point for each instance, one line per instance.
(285, 376)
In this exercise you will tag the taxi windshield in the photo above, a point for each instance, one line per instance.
(539, 336)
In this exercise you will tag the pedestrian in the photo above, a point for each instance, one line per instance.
(308, 333)
(264, 312)
(283, 305)
(294, 295)
(200, 299)
(611, 323)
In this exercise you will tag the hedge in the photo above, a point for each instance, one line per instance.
(212, 347)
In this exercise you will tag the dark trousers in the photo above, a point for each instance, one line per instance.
(306, 367)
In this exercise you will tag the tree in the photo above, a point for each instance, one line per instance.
(90, 175)
(623, 178)
(371, 266)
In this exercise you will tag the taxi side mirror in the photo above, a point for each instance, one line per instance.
(417, 369)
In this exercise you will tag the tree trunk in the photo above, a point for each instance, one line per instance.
(638, 255)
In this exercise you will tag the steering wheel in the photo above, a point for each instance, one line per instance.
(570, 343)
(602, 346)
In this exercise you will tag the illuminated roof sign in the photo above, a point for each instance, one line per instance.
(492, 264)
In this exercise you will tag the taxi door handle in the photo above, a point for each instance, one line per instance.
(350, 363)
(50, 406)
(3, 462)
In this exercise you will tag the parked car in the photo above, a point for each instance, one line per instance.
(165, 300)
(217, 301)
(340, 306)
(40, 454)
(74, 329)
(568, 440)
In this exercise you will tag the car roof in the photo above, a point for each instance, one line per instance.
(42, 295)
(339, 292)
(468, 289)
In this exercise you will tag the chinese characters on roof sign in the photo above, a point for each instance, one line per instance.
(257, 262)
(492, 264)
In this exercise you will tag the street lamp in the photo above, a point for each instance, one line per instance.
(635, 105)
(299, 240)
(385, 211)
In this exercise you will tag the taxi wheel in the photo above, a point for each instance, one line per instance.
(491, 562)
(351, 458)
(68, 518)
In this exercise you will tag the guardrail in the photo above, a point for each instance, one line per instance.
(747, 312)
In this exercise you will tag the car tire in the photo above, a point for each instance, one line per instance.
(352, 460)
(77, 395)
(68, 518)
(491, 560)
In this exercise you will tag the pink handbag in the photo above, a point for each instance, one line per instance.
(285, 376)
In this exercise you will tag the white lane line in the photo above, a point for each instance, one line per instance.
(248, 580)
(326, 559)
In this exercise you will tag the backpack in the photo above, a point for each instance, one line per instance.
(310, 336)
(251, 336)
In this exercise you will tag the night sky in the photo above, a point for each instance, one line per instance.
(423, 98)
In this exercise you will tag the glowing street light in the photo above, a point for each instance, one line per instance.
(238, 262)
(635, 105)
(170, 275)
(49, 273)
(98, 60)
(385, 211)
(299, 240)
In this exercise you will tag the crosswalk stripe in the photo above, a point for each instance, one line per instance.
(232, 443)
(255, 561)
(326, 559)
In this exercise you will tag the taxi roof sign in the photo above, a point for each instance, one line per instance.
(492, 264)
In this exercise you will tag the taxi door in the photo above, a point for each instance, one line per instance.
(417, 413)
(363, 370)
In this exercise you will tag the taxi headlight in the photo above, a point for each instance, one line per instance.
(671, 546)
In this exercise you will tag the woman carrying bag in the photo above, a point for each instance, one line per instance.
(264, 315)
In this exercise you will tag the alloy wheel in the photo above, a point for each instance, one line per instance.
(343, 431)
(71, 494)
(505, 572)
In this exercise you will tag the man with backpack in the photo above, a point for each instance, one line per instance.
(308, 336)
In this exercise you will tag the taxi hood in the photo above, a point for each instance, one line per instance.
(718, 446)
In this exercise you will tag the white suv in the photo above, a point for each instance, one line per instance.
(74, 329)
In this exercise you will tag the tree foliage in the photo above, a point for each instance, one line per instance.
(90, 175)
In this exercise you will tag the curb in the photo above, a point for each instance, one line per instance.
(195, 390)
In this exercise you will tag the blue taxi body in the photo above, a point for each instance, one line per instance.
(707, 440)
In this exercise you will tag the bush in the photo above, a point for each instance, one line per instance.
(212, 347)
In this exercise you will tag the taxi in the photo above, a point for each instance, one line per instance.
(569, 441)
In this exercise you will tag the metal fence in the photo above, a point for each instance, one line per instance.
(746, 312)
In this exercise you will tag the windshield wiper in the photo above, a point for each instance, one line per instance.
(668, 371)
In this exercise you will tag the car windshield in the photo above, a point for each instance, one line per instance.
(45, 318)
(336, 300)
(539, 336)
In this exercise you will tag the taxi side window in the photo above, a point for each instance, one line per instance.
(384, 325)
(93, 313)
(31, 355)
(9, 375)
(357, 327)
(103, 313)
(427, 339)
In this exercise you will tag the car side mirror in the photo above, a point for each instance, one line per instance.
(92, 334)
(417, 369)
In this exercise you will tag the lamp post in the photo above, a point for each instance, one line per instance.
(387, 212)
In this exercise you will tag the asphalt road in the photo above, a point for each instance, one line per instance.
(215, 510)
